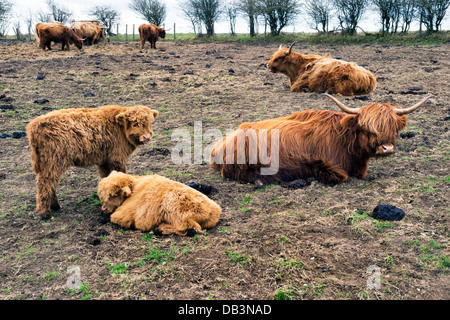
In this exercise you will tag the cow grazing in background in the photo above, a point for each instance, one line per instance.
(327, 145)
(319, 74)
(150, 33)
(91, 32)
(56, 32)
(104, 136)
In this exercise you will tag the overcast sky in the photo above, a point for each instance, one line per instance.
(22, 9)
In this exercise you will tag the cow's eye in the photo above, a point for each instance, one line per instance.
(136, 125)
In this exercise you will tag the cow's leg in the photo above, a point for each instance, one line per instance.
(123, 217)
(299, 85)
(328, 173)
(46, 195)
(48, 45)
(105, 169)
(142, 43)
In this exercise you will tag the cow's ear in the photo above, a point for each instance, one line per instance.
(121, 117)
(349, 121)
(126, 191)
(155, 113)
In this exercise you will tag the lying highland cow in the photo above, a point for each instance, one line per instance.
(104, 136)
(326, 145)
(156, 203)
(319, 74)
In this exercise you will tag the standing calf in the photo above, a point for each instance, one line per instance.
(104, 137)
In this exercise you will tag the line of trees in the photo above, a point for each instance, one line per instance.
(394, 15)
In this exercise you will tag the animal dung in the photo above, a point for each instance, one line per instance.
(387, 212)
(40, 101)
(407, 135)
(203, 188)
(40, 77)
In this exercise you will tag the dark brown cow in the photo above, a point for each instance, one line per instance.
(327, 145)
(150, 33)
(56, 32)
(319, 74)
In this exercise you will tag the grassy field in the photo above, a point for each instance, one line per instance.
(275, 243)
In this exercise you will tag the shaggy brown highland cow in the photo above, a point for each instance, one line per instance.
(104, 137)
(156, 203)
(56, 32)
(320, 74)
(150, 33)
(327, 145)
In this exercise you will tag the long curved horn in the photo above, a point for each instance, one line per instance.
(342, 106)
(290, 48)
(412, 108)
(281, 45)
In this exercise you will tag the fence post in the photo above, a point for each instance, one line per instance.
(174, 31)
(126, 32)
(117, 34)
(133, 31)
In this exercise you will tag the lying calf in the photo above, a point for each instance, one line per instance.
(155, 202)
(104, 137)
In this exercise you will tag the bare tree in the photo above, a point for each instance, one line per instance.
(249, 9)
(278, 13)
(29, 22)
(407, 13)
(432, 12)
(207, 12)
(106, 15)
(319, 12)
(58, 12)
(232, 15)
(5, 11)
(349, 13)
(191, 14)
(154, 11)
(390, 14)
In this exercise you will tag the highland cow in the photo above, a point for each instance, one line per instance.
(104, 136)
(156, 203)
(326, 145)
(150, 33)
(56, 32)
(321, 74)
(89, 31)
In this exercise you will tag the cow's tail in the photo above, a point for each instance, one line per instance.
(34, 146)
(36, 33)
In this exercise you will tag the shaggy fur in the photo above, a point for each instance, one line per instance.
(56, 32)
(327, 145)
(150, 33)
(318, 73)
(88, 31)
(104, 136)
(156, 203)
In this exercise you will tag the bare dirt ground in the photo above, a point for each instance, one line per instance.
(270, 243)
